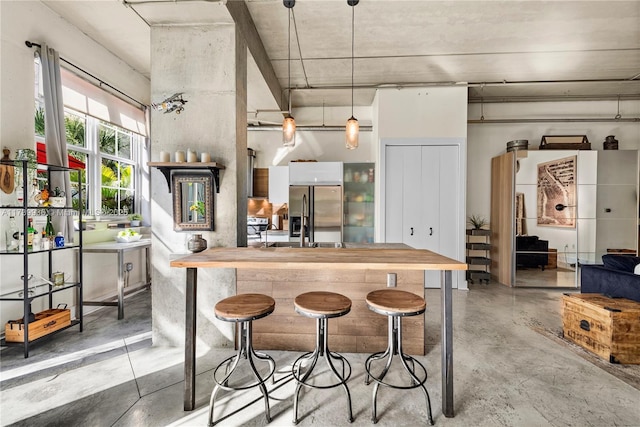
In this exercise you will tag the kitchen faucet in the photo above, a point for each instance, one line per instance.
(303, 210)
(266, 237)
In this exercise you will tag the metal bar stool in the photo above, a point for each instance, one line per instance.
(396, 304)
(321, 306)
(243, 309)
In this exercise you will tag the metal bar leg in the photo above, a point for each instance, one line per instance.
(247, 326)
(120, 285)
(327, 356)
(190, 340)
(447, 343)
(391, 350)
(414, 378)
(314, 354)
(148, 266)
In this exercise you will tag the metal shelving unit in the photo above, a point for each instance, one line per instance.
(475, 261)
(27, 294)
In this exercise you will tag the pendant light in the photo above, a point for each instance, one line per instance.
(289, 123)
(352, 128)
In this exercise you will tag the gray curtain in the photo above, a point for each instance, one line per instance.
(55, 133)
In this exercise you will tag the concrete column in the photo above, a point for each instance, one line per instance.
(208, 63)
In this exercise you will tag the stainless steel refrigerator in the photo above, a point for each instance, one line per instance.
(323, 210)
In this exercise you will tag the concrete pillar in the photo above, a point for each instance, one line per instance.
(208, 63)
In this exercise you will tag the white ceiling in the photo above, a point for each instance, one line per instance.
(505, 49)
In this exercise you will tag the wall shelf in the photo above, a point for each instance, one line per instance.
(167, 167)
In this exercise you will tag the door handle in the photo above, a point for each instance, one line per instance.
(430, 231)
(412, 231)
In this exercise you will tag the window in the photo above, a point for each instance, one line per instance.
(107, 153)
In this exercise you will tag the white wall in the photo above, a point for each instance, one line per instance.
(489, 140)
(33, 21)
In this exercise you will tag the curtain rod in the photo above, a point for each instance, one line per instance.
(102, 82)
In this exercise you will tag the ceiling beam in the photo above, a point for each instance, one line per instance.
(241, 16)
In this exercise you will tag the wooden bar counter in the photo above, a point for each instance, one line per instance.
(361, 264)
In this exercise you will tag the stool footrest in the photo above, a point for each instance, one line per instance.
(416, 380)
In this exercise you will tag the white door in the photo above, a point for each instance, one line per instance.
(421, 200)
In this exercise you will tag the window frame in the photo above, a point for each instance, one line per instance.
(94, 157)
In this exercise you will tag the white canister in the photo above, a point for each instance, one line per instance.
(165, 156)
(205, 157)
(180, 157)
(192, 156)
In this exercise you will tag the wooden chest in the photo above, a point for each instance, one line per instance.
(47, 321)
(608, 327)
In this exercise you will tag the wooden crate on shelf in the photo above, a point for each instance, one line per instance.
(47, 321)
(608, 327)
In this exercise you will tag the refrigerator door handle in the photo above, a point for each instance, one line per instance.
(412, 231)
(430, 231)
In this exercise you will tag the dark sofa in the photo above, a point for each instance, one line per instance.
(531, 252)
(615, 278)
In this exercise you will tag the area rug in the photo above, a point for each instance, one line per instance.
(630, 374)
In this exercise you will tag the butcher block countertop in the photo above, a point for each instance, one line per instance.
(320, 258)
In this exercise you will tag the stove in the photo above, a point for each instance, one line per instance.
(255, 226)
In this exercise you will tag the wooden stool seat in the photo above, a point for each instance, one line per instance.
(394, 302)
(243, 307)
(322, 304)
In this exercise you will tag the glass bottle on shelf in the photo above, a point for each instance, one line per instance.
(30, 232)
(46, 243)
(49, 227)
(12, 235)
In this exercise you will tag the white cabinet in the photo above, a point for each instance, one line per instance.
(422, 200)
(315, 173)
(278, 184)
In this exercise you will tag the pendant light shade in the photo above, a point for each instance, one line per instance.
(352, 131)
(289, 123)
(289, 131)
(352, 128)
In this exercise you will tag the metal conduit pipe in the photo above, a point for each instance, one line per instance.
(307, 128)
(567, 120)
(471, 122)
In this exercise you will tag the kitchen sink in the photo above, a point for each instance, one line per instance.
(306, 245)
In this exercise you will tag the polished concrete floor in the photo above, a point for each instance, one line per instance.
(549, 278)
(506, 374)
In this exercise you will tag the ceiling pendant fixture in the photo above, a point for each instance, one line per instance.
(352, 128)
(289, 123)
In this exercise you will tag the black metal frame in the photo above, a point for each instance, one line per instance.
(26, 298)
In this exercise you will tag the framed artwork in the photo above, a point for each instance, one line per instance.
(557, 202)
(521, 225)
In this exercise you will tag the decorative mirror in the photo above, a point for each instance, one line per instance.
(192, 201)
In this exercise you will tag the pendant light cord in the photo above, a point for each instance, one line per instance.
(289, 60)
(353, 12)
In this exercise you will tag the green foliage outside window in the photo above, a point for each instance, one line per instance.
(116, 177)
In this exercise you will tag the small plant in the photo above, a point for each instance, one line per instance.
(198, 207)
(477, 221)
(135, 217)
